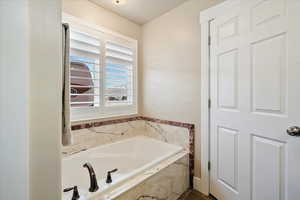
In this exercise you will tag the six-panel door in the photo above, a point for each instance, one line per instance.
(255, 95)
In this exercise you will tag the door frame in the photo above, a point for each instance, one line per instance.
(206, 16)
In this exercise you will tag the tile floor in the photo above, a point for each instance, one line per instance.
(194, 195)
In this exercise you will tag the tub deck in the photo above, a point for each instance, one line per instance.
(136, 159)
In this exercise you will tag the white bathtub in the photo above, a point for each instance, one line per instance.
(131, 157)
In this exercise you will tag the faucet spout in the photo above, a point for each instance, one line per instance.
(94, 185)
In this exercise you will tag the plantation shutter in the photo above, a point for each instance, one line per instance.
(103, 73)
(85, 69)
(119, 62)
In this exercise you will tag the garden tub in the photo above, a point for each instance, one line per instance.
(131, 157)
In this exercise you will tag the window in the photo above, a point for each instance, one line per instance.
(118, 74)
(85, 70)
(103, 74)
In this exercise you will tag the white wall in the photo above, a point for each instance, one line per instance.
(171, 67)
(45, 99)
(30, 98)
(14, 109)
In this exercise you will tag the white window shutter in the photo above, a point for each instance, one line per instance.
(103, 73)
(119, 64)
(85, 70)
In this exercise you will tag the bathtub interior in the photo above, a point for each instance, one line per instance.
(130, 157)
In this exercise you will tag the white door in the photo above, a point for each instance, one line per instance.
(255, 94)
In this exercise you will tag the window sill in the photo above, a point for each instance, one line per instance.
(103, 118)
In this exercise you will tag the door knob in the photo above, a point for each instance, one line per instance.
(293, 131)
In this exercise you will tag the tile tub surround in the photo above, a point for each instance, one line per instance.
(165, 182)
(104, 133)
(93, 134)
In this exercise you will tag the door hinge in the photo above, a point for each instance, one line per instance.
(209, 166)
(209, 40)
(209, 103)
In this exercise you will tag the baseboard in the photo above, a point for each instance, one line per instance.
(200, 186)
(197, 183)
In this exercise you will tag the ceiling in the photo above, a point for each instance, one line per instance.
(140, 11)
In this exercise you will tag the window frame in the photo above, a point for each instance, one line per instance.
(105, 35)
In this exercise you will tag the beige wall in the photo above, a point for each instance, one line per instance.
(171, 77)
(169, 58)
(95, 14)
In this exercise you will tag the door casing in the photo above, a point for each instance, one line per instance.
(206, 17)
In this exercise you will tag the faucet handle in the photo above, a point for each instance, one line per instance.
(108, 178)
(76, 195)
(113, 171)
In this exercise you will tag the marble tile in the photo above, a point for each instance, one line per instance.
(90, 135)
(100, 135)
(168, 184)
(168, 133)
(104, 134)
